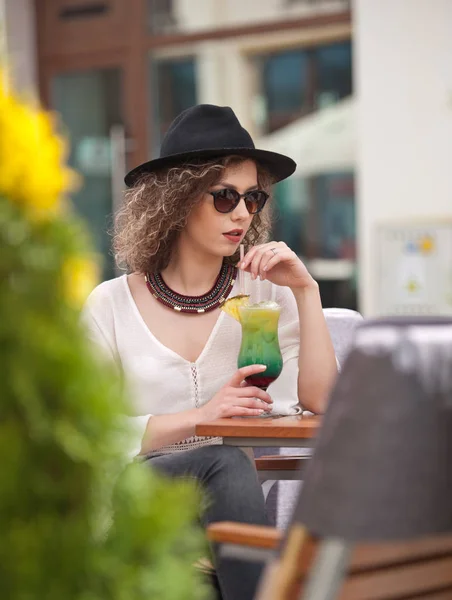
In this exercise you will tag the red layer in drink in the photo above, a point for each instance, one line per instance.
(260, 381)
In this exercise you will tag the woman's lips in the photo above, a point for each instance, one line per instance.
(235, 238)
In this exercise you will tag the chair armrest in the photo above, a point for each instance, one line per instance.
(242, 534)
(281, 463)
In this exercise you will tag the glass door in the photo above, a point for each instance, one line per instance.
(90, 104)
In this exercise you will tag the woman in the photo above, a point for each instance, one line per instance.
(178, 233)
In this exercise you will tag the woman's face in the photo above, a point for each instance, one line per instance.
(221, 233)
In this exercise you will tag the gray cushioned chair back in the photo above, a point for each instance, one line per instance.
(342, 323)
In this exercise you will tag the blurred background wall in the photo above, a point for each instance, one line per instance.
(403, 74)
(359, 93)
(20, 42)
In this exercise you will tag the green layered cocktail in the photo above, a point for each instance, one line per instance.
(260, 344)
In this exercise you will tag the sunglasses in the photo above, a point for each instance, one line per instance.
(227, 199)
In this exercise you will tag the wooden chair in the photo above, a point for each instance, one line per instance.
(399, 425)
(265, 465)
(290, 465)
(306, 568)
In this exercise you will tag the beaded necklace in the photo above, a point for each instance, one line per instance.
(193, 304)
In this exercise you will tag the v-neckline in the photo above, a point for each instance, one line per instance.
(173, 353)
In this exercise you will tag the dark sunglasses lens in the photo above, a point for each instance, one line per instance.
(226, 200)
(255, 201)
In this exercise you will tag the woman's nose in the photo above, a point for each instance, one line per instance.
(240, 212)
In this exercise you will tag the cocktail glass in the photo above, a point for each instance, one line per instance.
(260, 344)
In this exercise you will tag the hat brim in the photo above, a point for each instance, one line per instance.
(278, 165)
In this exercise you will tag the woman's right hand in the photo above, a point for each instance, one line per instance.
(237, 398)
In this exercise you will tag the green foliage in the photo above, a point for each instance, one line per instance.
(75, 524)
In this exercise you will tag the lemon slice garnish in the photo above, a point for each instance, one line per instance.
(232, 305)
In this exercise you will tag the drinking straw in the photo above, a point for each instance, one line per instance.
(241, 273)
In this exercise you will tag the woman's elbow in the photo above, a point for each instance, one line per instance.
(315, 397)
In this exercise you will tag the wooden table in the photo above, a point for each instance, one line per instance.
(281, 432)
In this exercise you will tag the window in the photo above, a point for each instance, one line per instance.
(315, 216)
(90, 104)
(173, 89)
(294, 83)
(161, 17)
(333, 67)
(291, 213)
(285, 82)
(332, 217)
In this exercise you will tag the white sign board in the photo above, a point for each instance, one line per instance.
(415, 268)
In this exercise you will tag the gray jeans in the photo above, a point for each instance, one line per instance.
(234, 494)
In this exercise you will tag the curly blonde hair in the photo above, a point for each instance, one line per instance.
(157, 207)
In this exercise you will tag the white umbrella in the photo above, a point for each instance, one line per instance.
(322, 142)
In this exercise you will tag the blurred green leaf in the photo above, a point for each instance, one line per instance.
(76, 522)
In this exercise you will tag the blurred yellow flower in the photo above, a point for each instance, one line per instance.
(32, 169)
(80, 277)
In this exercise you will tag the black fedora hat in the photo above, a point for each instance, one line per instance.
(208, 131)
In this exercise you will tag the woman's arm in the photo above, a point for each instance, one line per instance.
(163, 430)
(317, 366)
(317, 363)
(232, 400)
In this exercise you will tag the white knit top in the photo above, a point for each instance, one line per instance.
(162, 382)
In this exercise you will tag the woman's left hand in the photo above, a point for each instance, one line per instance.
(279, 264)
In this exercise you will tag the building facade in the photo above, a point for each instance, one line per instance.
(119, 71)
(372, 186)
